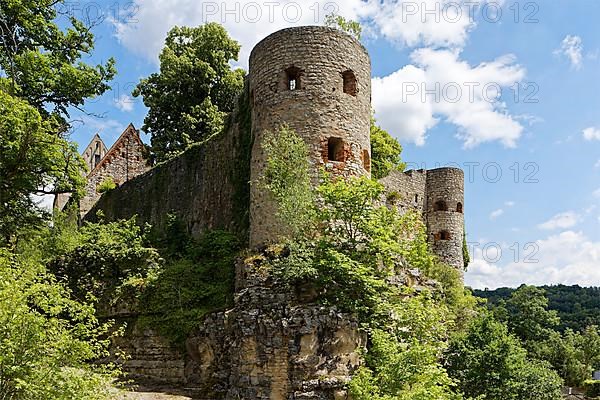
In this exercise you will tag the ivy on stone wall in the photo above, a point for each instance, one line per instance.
(241, 173)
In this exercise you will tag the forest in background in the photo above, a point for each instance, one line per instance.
(577, 307)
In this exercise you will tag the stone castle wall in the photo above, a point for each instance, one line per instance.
(317, 80)
(206, 187)
(276, 342)
(329, 105)
(406, 190)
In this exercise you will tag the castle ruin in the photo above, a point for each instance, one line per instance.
(125, 160)
(317, 80)
(275, 343)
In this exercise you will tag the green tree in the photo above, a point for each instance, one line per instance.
(33, 160)
(43, 78)
(575, 355)
(403, 362)
(190, 97)
(287, 178)
(351, 27)
(385, 152)
(47, 340)
(488, 362)
(529, 318)
(43, 63)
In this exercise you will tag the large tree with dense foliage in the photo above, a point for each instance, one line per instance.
(528, 317)
(43, 63)
(43, 78)
(196, 87)
(33, 160)
(488, 362)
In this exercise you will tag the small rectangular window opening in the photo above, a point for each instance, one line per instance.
(335, 149)
(350, 84)
(366, 160)
(293, 78)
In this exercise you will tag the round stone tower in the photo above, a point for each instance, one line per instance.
(444, 214)
(317, 80)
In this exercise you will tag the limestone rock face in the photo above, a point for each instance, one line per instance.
(272, 346)
(150, 357)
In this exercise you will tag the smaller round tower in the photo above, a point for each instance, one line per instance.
(444, 214)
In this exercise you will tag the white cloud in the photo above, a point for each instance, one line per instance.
(591, 134)
(510, 204)
(569, 258)
(590, 209)
(408, 101)
(124, 103)
(496, 214)
(407, 120)
(561, 221)
(597, 165)
(44, 201)
(403, 22)
(572, 48)
(437, 23)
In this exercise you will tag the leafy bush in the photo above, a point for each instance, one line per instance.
(47, 339)
(287, 178)
(198, 281)
(172, 285)
(103, 258)
(385, 152)
(402, 362)
(106, 185)
(592, 388)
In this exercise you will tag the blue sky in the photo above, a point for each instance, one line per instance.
(537, 124)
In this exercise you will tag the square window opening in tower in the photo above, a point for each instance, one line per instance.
(335, 149)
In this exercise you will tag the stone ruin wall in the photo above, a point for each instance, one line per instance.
(125, 160)
(317, 110)
(405, 190)
(206, 187)
(274, 344)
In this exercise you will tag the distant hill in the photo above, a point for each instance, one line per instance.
(577, 306)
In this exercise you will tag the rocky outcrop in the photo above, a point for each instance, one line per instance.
(273, 344)
(276, 342)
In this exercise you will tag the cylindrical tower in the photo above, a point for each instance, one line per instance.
(444, 214)
(317, 80)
